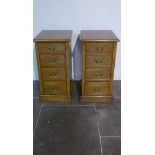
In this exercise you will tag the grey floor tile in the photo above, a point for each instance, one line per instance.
(36, 110)
(116, 88)
(111, 145)
(109, 118)
(36, 88)
(67, 131)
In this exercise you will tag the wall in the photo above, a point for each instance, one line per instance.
(76, 15)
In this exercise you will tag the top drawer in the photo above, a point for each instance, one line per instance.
(51, 47)
(99, 48)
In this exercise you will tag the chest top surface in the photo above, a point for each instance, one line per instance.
(53, 35)
(98, 35)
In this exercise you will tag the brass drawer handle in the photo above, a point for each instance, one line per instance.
(99, 49)
(54, 88)
(95, 61)
(98, 75)
(53, 73)
(97, 89)
(52, 60)
(98, 61)
(51, 48)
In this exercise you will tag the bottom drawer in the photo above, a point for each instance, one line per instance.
(54, 87)
(97, 88)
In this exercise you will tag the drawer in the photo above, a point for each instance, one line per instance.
(102, 73)
(99, 48)
(51, 47)
(97, 88)
(58, 73)
(54, 87)
(98, 60)
(52, 59)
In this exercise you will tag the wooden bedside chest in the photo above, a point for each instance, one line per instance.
(54, 65)
(98, 62)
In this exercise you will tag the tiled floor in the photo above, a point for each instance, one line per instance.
(76, 128)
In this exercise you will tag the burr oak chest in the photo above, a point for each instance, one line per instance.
(54, 65)
(98, 62)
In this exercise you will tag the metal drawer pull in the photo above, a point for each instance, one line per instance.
(54, 88)
(99, 49)
(98, 75)
(51, 48)
(97, 89)
(53, 74)
(52, 60)
(98, 61)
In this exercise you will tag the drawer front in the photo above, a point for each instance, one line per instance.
(99, 48)
(58, 73)
(97, 88)
(51, 47)
(52, 59)
(54, 87)
(98, 60)
(103, 73)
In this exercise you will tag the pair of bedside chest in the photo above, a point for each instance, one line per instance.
(53, 52)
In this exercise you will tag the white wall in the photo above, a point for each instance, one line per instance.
(76, 15)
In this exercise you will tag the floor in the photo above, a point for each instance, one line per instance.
(76, 128)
